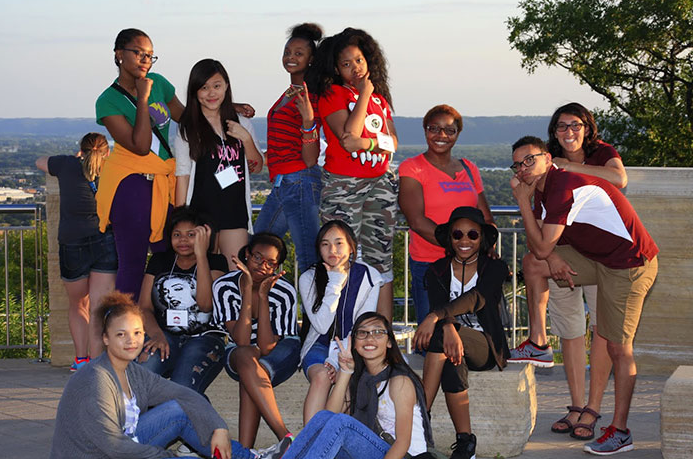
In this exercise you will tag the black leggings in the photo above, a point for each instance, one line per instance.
(477, 357)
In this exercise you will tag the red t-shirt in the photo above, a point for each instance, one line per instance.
(442, 194)
(600, 222)
(284, 136)
(359, 163)
(602, 155)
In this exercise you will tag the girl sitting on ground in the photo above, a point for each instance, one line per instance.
(335, 292)
(115, 408)
(257, 307)
(176, 300)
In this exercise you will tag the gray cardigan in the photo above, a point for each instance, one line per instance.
(91, 412)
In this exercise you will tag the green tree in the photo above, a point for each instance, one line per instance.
(637, 54)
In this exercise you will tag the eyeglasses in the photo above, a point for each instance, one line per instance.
(448, 130)
(574, 126)
(376, 334)
(141, 55)
(260, 260)
(473, 235)
(528, 161)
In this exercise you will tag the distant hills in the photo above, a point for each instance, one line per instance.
(478, 130)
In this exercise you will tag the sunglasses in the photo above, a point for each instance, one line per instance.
(473, 235)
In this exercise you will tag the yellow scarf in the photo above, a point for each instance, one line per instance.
(121, 163)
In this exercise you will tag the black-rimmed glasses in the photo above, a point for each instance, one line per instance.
(528, 161)
(141, 55)
(448, 130)
(574, 126)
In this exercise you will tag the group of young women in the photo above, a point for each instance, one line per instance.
(209, 280)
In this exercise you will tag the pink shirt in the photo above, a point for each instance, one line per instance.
(442, 194)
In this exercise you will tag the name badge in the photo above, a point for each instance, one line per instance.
(176, 318)
(227, 177)
(386, 142)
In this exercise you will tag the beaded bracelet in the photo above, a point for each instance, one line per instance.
(311, 140)
(308, 131)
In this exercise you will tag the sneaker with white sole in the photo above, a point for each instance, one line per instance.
(277, 450)
(612, 441)
(527, 352)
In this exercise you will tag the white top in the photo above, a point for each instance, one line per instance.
(386, 418)
(366, 300)
(468, 320)
(186, 166)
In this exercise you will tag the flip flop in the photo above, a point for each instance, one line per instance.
(589, 427)
(566, 421)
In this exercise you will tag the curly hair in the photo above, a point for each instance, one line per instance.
(308, 31)
(322, 74)
(591, 141)
(114, 305)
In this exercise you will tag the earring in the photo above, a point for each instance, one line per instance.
(120, 61)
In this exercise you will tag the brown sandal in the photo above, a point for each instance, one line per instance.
(589, 427)
(566, 421)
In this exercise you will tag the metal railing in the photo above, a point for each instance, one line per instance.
(514, 297)
(18, 311)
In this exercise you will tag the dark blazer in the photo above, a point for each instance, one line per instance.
(482, 299)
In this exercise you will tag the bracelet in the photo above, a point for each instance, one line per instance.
(372, 145)
(308, 131)
(311, 140)
(347, 372)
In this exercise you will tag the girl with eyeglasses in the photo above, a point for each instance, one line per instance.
(349, 74)
(575, 146)
(431, 185)
(293, 147)
(382, 395)
(182, 343)
(463, 331)
(88, 260)
(137, 181)
(115, 408)
(215, 153)
(335, 292)
(257, 308)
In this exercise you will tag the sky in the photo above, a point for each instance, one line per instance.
(57, 54)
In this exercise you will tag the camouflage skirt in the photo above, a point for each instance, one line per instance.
(369, 206)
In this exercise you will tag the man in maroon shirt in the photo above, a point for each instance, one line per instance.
(603, 243)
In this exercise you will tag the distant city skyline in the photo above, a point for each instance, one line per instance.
(57, 55)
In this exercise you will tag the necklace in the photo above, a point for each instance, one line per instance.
(467, 261)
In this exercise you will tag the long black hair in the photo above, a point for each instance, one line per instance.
(591, 141)
(194, 127)
(393, 356)
(322, 73)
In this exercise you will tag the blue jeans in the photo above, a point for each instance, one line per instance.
(331, 435)
(418, 290)
(281, 363)
(166, 422)
(293, 205)
(193, 362)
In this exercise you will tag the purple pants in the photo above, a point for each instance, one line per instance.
(130, 220)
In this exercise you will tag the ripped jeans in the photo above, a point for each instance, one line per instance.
(194, 361)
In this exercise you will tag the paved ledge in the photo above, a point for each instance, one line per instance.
(29, 395)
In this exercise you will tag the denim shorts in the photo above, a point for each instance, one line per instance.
(95, 253)
(317, 354)
(281, 363)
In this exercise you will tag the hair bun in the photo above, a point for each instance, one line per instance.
(308, 31)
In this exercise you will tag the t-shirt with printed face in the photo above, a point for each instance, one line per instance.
(175, 289)
(359, 163)
(111, 102)
(442, 194)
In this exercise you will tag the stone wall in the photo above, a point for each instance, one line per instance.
(663, 198)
